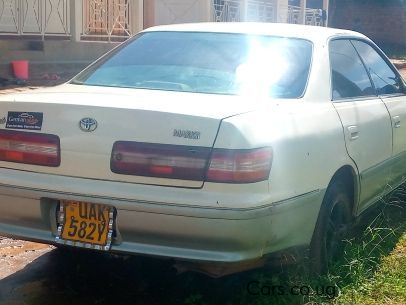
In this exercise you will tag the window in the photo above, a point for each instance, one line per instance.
(106, 19)
(386, 81)
(216, 63)
(349, 77)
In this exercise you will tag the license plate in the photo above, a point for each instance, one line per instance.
(85, 224)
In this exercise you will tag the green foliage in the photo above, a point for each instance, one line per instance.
(194, 299)
(371, 272)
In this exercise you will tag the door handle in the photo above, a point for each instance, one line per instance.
(353, 132)
(396, 121)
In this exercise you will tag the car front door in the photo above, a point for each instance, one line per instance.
(390, 88)
(365, 120)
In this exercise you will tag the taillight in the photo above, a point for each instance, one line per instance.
(159, 160)
(240, 166)
(191, 163)
(29, 148)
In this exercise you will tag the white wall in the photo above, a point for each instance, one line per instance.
(182, 11)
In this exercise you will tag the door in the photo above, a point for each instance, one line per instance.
(391, 90)
(365, 119)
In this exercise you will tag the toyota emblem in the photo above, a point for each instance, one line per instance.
(88, 124)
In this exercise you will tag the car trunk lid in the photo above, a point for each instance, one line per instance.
(143, 116)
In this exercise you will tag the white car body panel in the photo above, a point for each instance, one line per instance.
(397, 109)
(294, 147)
(368, 137)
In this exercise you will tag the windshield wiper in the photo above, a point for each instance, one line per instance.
(76, 82)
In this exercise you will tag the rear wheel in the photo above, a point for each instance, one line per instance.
(332, 226)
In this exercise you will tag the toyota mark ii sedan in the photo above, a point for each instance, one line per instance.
(210, 144)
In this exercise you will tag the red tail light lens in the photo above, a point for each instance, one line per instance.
(239, 166)
(191, 163)
(159, 160)
(29, 148)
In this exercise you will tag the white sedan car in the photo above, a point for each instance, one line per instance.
(207, 143)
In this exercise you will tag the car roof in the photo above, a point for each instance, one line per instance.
(312, 33)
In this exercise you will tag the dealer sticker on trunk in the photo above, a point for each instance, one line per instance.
(24, 120)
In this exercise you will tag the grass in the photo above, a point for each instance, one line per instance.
(387, 286)
(372, 271)
(376, 263)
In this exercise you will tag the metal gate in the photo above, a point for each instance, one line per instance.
(107, 19)
(35, 17)
(260, 11)
(248, 10)
(227, 10)
(312, 16)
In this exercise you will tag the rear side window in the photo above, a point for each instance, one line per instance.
(349, 76)
(219, 63)
(386, 81)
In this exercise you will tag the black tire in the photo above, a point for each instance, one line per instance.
(331, 229)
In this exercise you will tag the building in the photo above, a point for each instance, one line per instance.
(77, 31)
(382, 21)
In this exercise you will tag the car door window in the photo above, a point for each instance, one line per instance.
(386, 81)
(349, 76)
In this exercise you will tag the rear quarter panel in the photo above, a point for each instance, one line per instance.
(306, 135)
(306, 138)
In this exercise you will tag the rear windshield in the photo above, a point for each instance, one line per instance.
(217, 63)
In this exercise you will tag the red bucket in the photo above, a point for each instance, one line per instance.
(20, 69)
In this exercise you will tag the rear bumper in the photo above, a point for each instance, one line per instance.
(28, 204)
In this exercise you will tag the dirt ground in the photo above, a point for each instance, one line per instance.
(35, 274)
(15, 255)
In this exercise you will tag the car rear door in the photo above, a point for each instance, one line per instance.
(365, 119)
(391, 90)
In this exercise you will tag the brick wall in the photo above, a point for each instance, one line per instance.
(385, 24)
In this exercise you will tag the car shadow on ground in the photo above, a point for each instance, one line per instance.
(80, 277)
